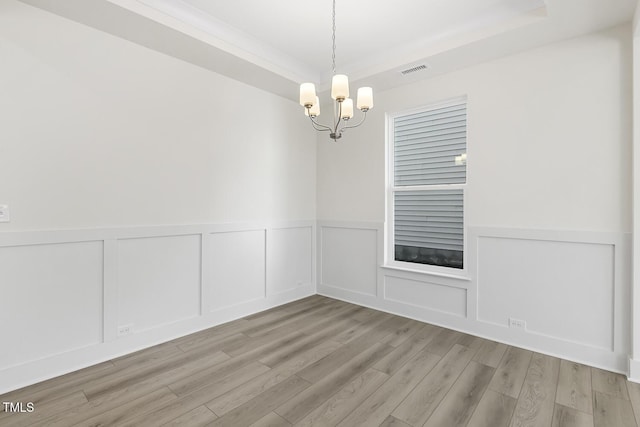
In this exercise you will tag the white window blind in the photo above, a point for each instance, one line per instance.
(428, 185)
(426, 144)
(429, 219)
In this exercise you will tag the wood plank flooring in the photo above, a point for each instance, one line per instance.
(323, 362)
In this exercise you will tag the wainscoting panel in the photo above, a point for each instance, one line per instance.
(572, 288)
(430, 296)
(158, 281)
(69, 290)
(289, 259)
(563, 290)
(349, 259)
(238, 267)
(67, 295)
(51, 300)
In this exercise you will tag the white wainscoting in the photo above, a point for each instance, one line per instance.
(528, 279)
(349, 258)
(572, 288)
(51, 300)
(430, 296)
(238, 266)
(67, 294)
(290, 254)
(167, 268)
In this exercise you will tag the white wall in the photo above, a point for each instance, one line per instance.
(133, 181)
(97, 131)
(548, 142)
(547, 205)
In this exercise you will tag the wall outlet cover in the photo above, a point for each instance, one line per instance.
(125, 330)
(4, 213)
(517, 323)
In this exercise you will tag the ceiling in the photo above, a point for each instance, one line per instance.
(278, 44)
(298, 33)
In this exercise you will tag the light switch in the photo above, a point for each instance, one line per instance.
(4, 213)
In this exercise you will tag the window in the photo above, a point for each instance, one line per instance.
(426, 183)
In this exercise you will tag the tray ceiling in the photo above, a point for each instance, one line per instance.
(276, 45)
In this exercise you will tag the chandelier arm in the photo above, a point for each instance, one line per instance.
(359, 123)
(319, 126)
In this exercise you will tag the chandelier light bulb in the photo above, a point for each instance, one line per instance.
(340, 87)
(307, 94)
(347, 109)
(365, 98)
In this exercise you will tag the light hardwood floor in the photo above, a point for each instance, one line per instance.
(322, 362)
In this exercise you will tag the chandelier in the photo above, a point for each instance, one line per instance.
(343, 105)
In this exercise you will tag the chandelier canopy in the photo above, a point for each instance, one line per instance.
(343, 105)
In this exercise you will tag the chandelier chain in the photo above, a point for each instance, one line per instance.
(333, 54)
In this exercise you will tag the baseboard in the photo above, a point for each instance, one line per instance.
(634, 370)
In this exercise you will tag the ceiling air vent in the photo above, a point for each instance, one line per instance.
(413, 69)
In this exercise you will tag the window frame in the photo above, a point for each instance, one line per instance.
(390, 190)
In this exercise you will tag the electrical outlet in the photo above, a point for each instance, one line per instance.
(125, 330)
(517, 323)
(4, 213)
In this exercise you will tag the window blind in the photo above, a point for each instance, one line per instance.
(429, 219)
(428, 196)
(426, 144)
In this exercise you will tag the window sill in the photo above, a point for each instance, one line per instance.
(427, 273)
